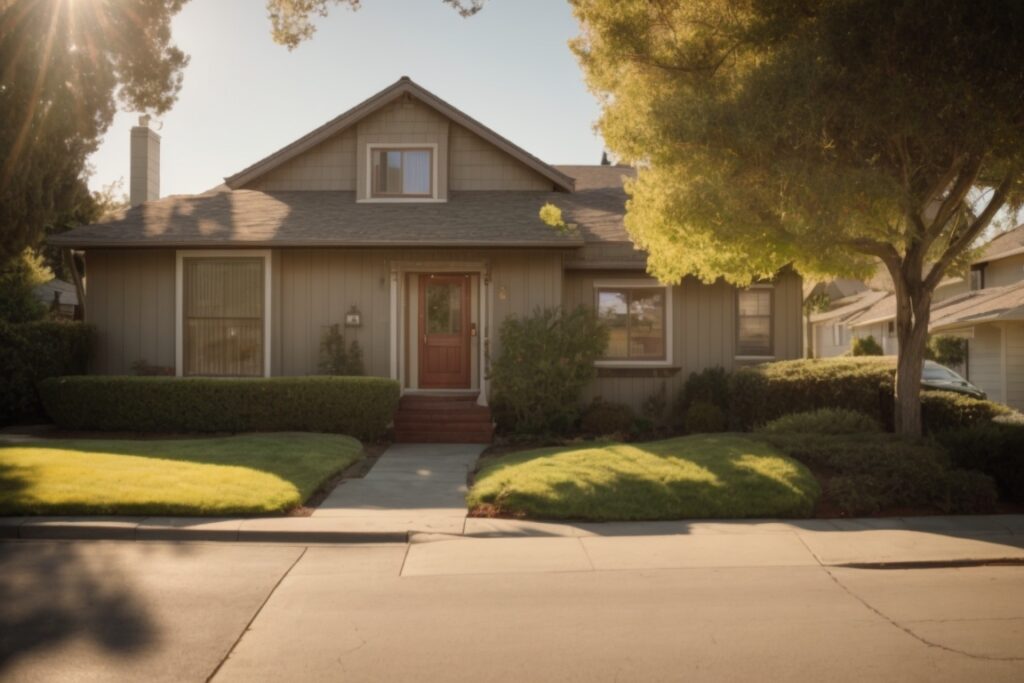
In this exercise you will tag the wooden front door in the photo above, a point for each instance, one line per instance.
(444, 332)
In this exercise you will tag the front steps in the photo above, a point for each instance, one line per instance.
(442, 419)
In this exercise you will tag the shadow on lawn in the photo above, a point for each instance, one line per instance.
(730, 485)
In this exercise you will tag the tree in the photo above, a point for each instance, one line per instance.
(832, 135)
(291, 21)
(64, 68)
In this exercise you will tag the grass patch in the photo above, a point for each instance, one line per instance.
(247, 474)
(699, 476)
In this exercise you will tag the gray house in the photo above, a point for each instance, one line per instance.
(416, 229)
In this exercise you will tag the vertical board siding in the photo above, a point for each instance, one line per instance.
(1014, 339)
(130, 301)
(985, 361)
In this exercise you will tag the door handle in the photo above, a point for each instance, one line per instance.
(472, 329)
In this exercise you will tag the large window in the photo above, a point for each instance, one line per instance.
(223, 316)
(636, 320)
(402, 172)
(754, 322)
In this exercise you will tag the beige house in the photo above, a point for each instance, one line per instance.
(415, 229)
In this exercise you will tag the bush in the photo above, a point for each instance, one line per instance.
(358, 406)
(18, 279)
(945, 410)
(603, 418)
(869, 473)
(765, 392)
(945, 350)
(703, 417)
(30, 352)
(823, 421)
(338, 358)
(866, 346)
(995, 448)
(546, 361)
(710, 385)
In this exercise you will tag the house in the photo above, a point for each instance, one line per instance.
(416, 228)
(829, 334)
(60, 298)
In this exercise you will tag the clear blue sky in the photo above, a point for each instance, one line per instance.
(245, 96)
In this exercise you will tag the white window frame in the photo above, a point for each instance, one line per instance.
(640, 283)
(179, 300)
(736, 308)
(435, 180)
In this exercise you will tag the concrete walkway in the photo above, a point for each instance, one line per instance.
(411, 488)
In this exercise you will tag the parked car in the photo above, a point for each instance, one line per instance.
(940, 378)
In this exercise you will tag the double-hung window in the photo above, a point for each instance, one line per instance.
(402, 172)
(637, 319)
(754, 322)
(223, 316)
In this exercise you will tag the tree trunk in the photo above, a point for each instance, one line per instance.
(913, 312)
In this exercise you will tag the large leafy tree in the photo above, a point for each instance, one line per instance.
(833, 135)
(65, 65)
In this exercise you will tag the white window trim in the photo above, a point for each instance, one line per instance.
(179, 301)
(642, 283)
(760, 358)
(435, 180)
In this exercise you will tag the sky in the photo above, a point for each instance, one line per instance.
(244, 96)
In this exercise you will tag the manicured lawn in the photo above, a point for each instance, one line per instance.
(699, 476)
(254, 473)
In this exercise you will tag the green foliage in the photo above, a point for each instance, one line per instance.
(66, 68)
(830, 136)
(546, 361)
(995, 448)
(823, 421)
(866, 346)
(945, 350)
(604, 418)
(710, 385)
(871, 473)
(358, 406)
(943, 410)
(337, 358)
(765, 392)
(18, 277)
(30, 352)
(703, 417)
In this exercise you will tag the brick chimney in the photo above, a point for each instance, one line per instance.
(145, 167)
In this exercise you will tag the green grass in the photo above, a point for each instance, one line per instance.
(248, 474)
(699, 476)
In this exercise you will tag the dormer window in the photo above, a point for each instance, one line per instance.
(402, 172)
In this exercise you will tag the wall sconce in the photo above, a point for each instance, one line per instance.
(502, 293)
(353, 318)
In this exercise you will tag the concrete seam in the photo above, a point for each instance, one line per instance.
(583, 547)
(910, 631)
(256, 615)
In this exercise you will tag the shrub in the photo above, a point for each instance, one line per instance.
(30, 352)
(710, 385)
(143, 368)
(868, 473)
(945, 410)
(995, 448)
(358, 406)
(866, 346)
(603, 418)
(703, 417)
(765, 392)
(337, 358)
(18, 279)
(546, 361)
(946, 350)
(823, 421)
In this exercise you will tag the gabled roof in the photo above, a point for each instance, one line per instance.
(404, 86)
(849, 306)
(997, 304)
(1010, 243)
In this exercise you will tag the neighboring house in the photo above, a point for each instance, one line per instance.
(829, 334)
(59, 297)
(1001, 261)
(416, 228)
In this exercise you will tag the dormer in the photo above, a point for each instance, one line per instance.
(403, 145)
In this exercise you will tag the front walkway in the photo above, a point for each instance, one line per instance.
(413, 487)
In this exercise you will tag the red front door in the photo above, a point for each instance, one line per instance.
(444, 331)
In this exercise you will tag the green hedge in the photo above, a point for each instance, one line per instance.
(358, 406)
(30, 352)
(994, 448)
(762, 393)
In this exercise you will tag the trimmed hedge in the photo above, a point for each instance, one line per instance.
(995, 448)
(762, 393)
(823, 421)
(358, 406)
(30, 352)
